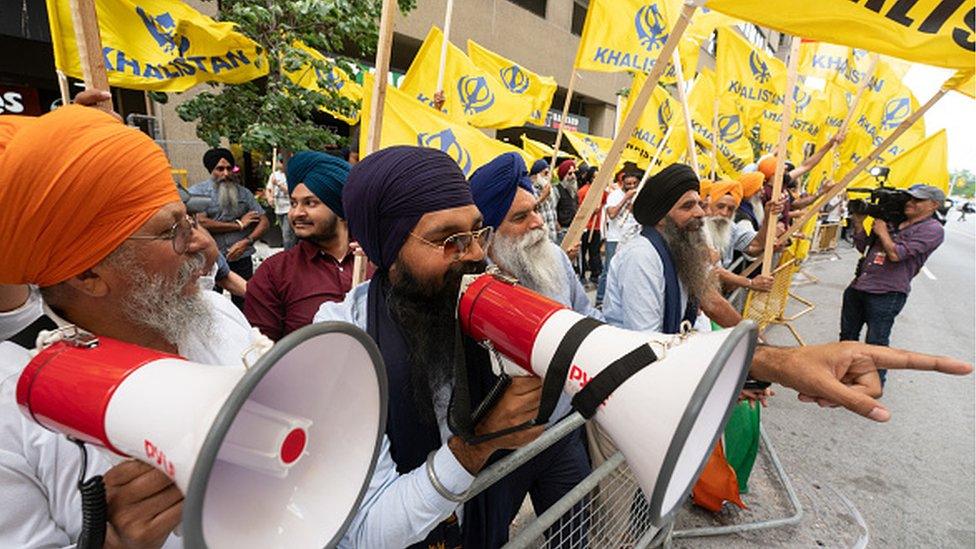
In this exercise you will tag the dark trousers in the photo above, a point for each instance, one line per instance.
(589, 256)
(245, 268)
(545, 479)
(878, 311)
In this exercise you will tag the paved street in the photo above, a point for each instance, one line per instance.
(907, 483)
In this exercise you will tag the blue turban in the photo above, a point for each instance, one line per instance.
(538, 166)
(390, 190)
(493, 186)
(323, 174)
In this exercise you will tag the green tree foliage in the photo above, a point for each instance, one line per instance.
(273, 111)
(965, 183)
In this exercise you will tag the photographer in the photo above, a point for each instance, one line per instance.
(892, 255)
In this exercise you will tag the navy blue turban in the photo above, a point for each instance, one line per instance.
(493, 186)
(323, 174)
(390, 190)
(538, 166)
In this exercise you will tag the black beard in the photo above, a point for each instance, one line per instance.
(690, 255)
(328, 232)
(428, 320)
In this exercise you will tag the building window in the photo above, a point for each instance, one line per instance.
(579, 17)
(537, 7)
(758, 38)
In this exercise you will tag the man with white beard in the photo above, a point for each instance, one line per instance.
(100, 229)
(726, 237)
(503, 193)
(234, 217)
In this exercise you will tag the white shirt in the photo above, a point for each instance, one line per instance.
(635, 289)
(282, 202)
(742, 234)
(398, 510)
(623, 227)
(12, 322)
(39, 468)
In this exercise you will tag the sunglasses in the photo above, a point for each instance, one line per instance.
(456, 245)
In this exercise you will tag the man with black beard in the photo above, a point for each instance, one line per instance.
(289, 287)
(411, 210)
(234, 217)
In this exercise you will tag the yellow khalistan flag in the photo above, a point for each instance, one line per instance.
(593, 150)
(622, 35)
(660, 114)
(538, 149)
(161, 45)
(335, 82)
(472, 94)
(407, 122)
(962, 82)
(756, 78)
(926, 162)
(935, 32)
(519, 80)
(811, 108)
(733, 151)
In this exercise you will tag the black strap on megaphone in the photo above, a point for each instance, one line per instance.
(606, 382)
(462, 421)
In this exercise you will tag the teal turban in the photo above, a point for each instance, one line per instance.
(323, 174)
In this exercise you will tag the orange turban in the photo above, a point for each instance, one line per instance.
(767, 165)
(74, 184)
(723, 187)
(704, 187)
(751, 183)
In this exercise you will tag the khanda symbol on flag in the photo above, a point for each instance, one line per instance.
(163, 30)
(730, 128)
(759, 68)
(650, 27)
(664, 115)
(514, 79)
(895, 111)
(801, 99)
(475, 94)
(330, 80)
(447, 142)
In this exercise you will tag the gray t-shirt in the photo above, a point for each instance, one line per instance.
(245, 203)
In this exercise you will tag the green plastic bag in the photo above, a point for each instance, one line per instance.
(742, 440)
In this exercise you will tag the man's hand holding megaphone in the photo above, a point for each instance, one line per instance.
(844, 373)
(518, 404)
(144, 506)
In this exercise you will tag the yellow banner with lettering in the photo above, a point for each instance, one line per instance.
(334, 81)
(926, 162)
(733, 152)
(623, 35)
(407, 122)
(659, 115)
(753, 76)
(161, 45)
(471, 93)
(935, 32)
(519, 80)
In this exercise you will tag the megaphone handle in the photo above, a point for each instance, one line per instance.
(94, 506)
(487, 403)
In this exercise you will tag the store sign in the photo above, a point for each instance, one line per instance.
(574, 122)
(19, 100)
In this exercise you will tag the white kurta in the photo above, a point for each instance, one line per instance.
(39, 468)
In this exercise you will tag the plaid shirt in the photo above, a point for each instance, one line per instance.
(547, 208)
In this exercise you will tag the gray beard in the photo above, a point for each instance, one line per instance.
(160, 305)
(227, 196)
(531, 259)
(718, 232)
(570, 184)
(690, 253)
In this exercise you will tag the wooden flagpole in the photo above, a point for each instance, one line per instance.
(444, 43)
(784, 134)
(89, 40)
(860, 94)
(857, 169)
(605, 173)
(562, 119)
(378, 98)
(63, 88)
(683, 98)
(715, 139)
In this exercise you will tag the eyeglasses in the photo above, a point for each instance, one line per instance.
(179, 234)
(456, 245)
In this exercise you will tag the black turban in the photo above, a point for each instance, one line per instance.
(213, 156)
(390, 190)
(662, 191)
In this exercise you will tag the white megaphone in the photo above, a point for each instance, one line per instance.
(278, 454)
(671, 406)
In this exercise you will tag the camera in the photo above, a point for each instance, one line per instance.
(885, 203)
